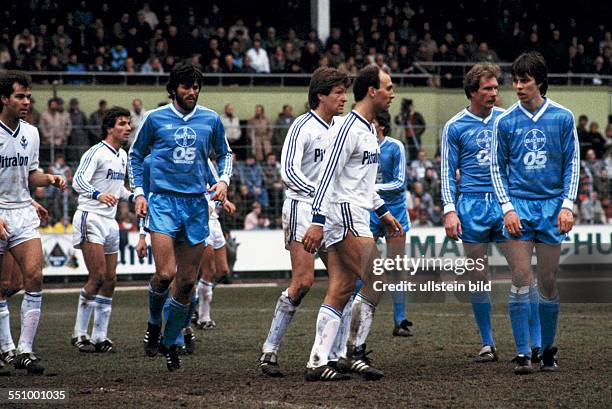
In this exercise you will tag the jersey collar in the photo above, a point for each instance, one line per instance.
(111, 148)
(539, 112)
(9, 131)
(362, 119)
(383, 141)
(318, 118)
(184, 117)
(477, 118)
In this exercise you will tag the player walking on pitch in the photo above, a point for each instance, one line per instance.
(19, 146)
(179, 136)
(301, 159)
(535, 167)
(99, 181)
(344, 195)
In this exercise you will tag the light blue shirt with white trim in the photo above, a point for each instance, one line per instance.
(535, 155)
(466, 146)
(180, 145)
(391, 175)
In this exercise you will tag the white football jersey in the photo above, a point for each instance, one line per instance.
(302, 155)
(101, 170)
(348, 173)
(18, 157)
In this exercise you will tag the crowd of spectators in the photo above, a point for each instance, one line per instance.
(257, 188)
(406, 36)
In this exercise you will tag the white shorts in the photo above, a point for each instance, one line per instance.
(216, 239)
(342, 218)
(22, 225)
(93, 228)
(297, 218)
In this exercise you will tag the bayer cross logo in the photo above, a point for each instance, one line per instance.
(483, 139)
(534, 140)
(184, 136)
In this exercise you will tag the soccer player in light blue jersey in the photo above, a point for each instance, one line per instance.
(179, 137)
(391, 186)
(535, 162)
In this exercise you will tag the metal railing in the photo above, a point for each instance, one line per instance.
(421, 74)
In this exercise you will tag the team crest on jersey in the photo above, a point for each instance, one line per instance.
(24, 142)
(184, 136)
(483, 139)
(534, 140)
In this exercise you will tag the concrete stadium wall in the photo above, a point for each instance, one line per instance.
(437, 106)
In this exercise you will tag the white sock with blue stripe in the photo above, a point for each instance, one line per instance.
(328, 322)
(363, 314)
(6, 339)
(84, 310)
(205, 294)
(30, 316)
(102, 313)
(339, 348)
(283, 315)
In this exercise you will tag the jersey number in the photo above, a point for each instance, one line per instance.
(182, 153)
(535, 158)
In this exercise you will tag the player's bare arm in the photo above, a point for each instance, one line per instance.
(42, 213)
(512, 223)
(39, 179)
(108, 199)
(4, 230)
(394, 228)
(229, 207)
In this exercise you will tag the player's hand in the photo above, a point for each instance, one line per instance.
(229, 207)
(512, 223)
(565, 220)
(313, 238)
(142, 250)
(107, 199)
(452, 225)
(4, 230)
(57, 181)
(220, 189)
(394, 228)
(42, 213)
(140, 207)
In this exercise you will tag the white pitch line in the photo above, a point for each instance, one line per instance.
(144, 287)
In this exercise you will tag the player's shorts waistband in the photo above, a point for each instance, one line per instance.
(478, 195)
(535, 199)
(178, 194)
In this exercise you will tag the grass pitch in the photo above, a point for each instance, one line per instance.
(429, 370)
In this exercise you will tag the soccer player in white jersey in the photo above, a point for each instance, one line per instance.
(99, 181)
(345, 193)
(19, 145)
(535, 164)
(214, 262)
(301, 159)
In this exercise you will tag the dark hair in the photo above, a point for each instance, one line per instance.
(471, 81)
(110, 118)
(323, 80)
(531, 64)
(186, 74)
(367, 77)
(10, 77)
(384, 119)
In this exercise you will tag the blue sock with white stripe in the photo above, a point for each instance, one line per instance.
(102, 312)
(399, 306)
(328, 322)
(481, 307)
(177, 314)
(518, 308)
(6, 339)
(156, 305)
(30, 316)
(535, 330)
(549, 316)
